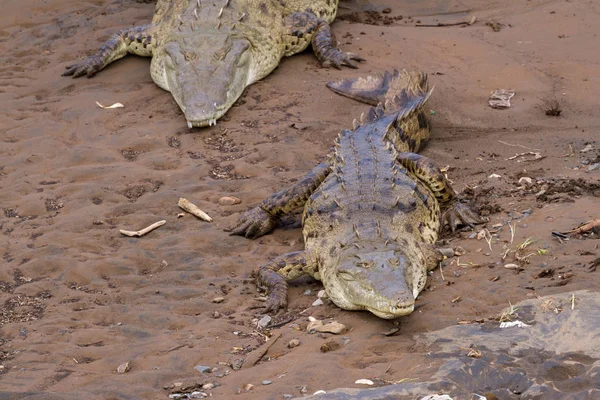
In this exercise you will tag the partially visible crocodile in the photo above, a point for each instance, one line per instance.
(372, 212)
(205, 52)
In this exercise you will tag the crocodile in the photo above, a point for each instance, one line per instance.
(206, 52)
(372, 212)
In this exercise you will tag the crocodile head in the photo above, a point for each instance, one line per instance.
(385, 282)
(206, 74)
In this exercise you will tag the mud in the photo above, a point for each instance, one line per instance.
(77, 299)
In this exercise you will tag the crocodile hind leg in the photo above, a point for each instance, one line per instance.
(274, 276)
(305, 26)
(455, 213)
(262, 219)
(135, 40)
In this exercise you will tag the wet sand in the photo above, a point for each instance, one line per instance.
(77, 299)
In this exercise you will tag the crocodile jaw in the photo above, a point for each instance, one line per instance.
(375, 281)
(206, 75)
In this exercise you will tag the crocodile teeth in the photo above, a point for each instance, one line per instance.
(190, 125)
(212, 122)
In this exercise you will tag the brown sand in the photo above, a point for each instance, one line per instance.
(78, 299)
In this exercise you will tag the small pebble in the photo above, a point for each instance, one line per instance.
(265, 382)
(322, 294)
(229, 201)
(459, 251)
(125, 367)
(317, 302)
(307, 292)
(208, 386)
(594, 167)
(218, 299)
(525, 181)
(527, 212)
(203, 368)
(248, 387)
(331, 345)
(216, 314)
(446, 252)
(287, 396)
(264, 321)
(386, 10)
(293, 343)
(511, 266)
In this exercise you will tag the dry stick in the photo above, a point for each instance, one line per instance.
(588, 226)
(256, 357)
(512, 232)
(142, 232)
(439, 24)
(517, 145)
(193, 209)
(442, 272)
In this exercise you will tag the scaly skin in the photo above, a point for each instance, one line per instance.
(372, 213)
(206, 52)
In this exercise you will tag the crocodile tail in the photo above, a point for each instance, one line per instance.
(381, 87)
(411, 129)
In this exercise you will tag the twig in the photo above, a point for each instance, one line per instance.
(174, 348)
(442, 272)
(439, 24)
(142, 232)
(256, 357)
(512, 232)
(573, 301)
(488, 240)
(282, 323)
(517, 145)
(588, 226)
(193, 209)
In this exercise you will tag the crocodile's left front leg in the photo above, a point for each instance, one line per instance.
(454, 212)
(274, 275)
(262, 219)
(304, 26)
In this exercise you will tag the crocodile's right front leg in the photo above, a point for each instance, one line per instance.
(274, 276)
(136, 40)
(304, 26)
(262, 219)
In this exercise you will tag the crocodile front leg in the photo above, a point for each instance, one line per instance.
(135, 40)
(455, 213)
(304, 26)
(262, 219)
(274, 276)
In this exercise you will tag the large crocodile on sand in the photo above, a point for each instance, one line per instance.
(205, 52)
(373, 212)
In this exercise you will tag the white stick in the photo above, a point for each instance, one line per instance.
(185, 205)
(142, 232)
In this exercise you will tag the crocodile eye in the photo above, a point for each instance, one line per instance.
(395, 261)
(346, 276)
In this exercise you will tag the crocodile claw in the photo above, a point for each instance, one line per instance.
(338, 58)
(88, 67)
(253, 224)
(460, 214)
(277, 299)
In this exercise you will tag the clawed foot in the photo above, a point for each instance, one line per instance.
(277, 299)
(460, 214)
(337, 58)
(253, 224)
(88, 67)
